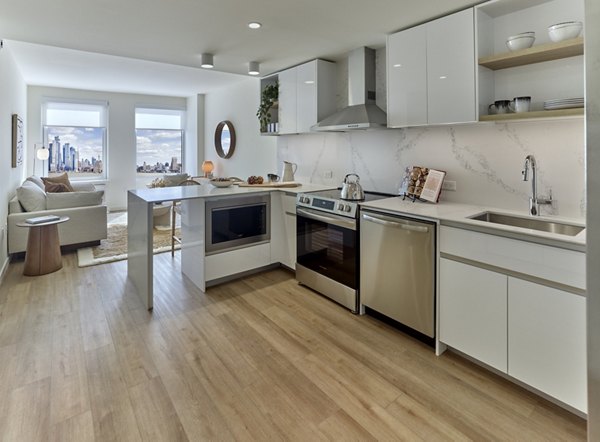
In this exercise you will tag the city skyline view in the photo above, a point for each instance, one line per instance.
(156, 149)
(75, 150)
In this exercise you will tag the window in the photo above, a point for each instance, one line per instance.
(159, 140)
(75, 134)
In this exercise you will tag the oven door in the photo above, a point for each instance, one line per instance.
(328, 245)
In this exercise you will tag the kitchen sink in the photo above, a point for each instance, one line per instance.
(529, 223)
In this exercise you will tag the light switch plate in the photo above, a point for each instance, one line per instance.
(328, 174)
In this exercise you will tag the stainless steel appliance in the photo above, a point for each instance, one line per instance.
(351, 188)
(398, 269)
(236, 222)
(328, 245)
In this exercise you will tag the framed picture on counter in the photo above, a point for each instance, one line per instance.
(433, 185)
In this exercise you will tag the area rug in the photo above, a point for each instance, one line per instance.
(114, 247)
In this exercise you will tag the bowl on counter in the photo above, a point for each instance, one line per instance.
(565, 31)
(221, 182)
(520, 41)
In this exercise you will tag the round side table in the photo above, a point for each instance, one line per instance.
(42, 255)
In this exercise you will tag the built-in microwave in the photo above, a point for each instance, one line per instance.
(235, 222)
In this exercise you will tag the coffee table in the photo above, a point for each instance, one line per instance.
(43, 255)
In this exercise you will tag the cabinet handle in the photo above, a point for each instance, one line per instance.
(395, 224)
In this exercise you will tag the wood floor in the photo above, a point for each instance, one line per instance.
(257, 359)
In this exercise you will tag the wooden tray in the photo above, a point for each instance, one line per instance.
(287, 184)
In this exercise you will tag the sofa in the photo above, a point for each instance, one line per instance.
(83, 205)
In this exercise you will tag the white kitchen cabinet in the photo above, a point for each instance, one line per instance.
(306, 96)
(407, 77)
(431, 72)
(283, 229)
(547, 340)
(288, 101)
(473, 308)
(451, 69)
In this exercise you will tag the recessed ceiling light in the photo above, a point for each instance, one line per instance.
(397, 65)
(207, 61)
(254, 25)
(254, 68)
(309, 82)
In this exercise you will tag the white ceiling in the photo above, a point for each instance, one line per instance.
(174, 33)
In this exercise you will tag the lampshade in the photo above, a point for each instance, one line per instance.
(254, 68)
(208, 166)
(207, 61)
(42, 154)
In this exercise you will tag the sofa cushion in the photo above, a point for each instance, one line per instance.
(73, 199)
(83, 186)
(31, 197)
(36, 180)
(62, 178)
(56, 187)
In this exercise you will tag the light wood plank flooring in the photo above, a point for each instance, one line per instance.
(257, 359)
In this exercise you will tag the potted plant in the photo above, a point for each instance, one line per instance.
(269, 96)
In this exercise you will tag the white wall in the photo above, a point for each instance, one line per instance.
(254, 154)
(484, 159)
(592, 97)
(121, 132)
(13, 93)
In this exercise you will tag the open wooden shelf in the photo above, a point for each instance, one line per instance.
(535, 54)
(578, 111)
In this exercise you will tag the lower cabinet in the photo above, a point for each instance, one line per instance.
(283, 229)
(473, 312)
(547, 340)
(532, 332)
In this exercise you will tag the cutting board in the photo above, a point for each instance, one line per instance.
(286, 184)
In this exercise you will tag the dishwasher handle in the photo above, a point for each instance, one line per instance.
(395, 224)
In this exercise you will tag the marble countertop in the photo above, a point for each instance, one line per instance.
(457, 215)
(206, 190)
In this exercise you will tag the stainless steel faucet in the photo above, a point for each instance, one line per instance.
(534, 200)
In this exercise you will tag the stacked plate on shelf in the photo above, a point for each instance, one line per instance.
(565, 103)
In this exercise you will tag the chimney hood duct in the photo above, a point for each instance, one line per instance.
(362, 112)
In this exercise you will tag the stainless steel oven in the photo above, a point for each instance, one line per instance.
(236, 222)
(327, 255)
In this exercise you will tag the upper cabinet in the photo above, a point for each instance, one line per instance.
(431, 72)
(306, 96)
(545, 71)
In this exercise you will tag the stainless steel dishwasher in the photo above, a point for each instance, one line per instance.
(397, 270)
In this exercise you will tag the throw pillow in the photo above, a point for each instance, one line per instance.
(31, 197)
(56, 187)
(63, 178)
(70, 200)
(36, 180)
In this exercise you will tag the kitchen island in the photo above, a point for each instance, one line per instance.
(140, 265)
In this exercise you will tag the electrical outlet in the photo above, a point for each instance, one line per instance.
(449, 185)
(328, 174)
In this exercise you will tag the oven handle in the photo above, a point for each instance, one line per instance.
(400, 225)
(346, 224)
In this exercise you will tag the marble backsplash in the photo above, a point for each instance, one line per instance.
(484, 159)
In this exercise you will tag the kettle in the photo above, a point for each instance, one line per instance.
(351, 189)
(289, 169)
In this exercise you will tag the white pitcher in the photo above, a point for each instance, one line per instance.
(289, 169)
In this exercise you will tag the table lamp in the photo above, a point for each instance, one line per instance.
(207, 168)
(43, 154)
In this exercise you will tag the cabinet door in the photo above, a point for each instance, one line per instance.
(407, 77)
(307, 96)
(473, 312)
(290, 230)
(288, 101)
(547, 341)
(451, 69)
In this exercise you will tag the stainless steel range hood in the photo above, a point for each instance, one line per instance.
(362, 112)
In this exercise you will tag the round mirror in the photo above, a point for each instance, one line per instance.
(225, 139)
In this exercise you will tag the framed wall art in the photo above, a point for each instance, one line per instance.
(17, 141)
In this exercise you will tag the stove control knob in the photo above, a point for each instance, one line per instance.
(348, 208)
(304, 199)
(340, 207)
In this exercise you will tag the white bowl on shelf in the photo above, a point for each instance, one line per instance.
(520, 41)
(565, 31)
